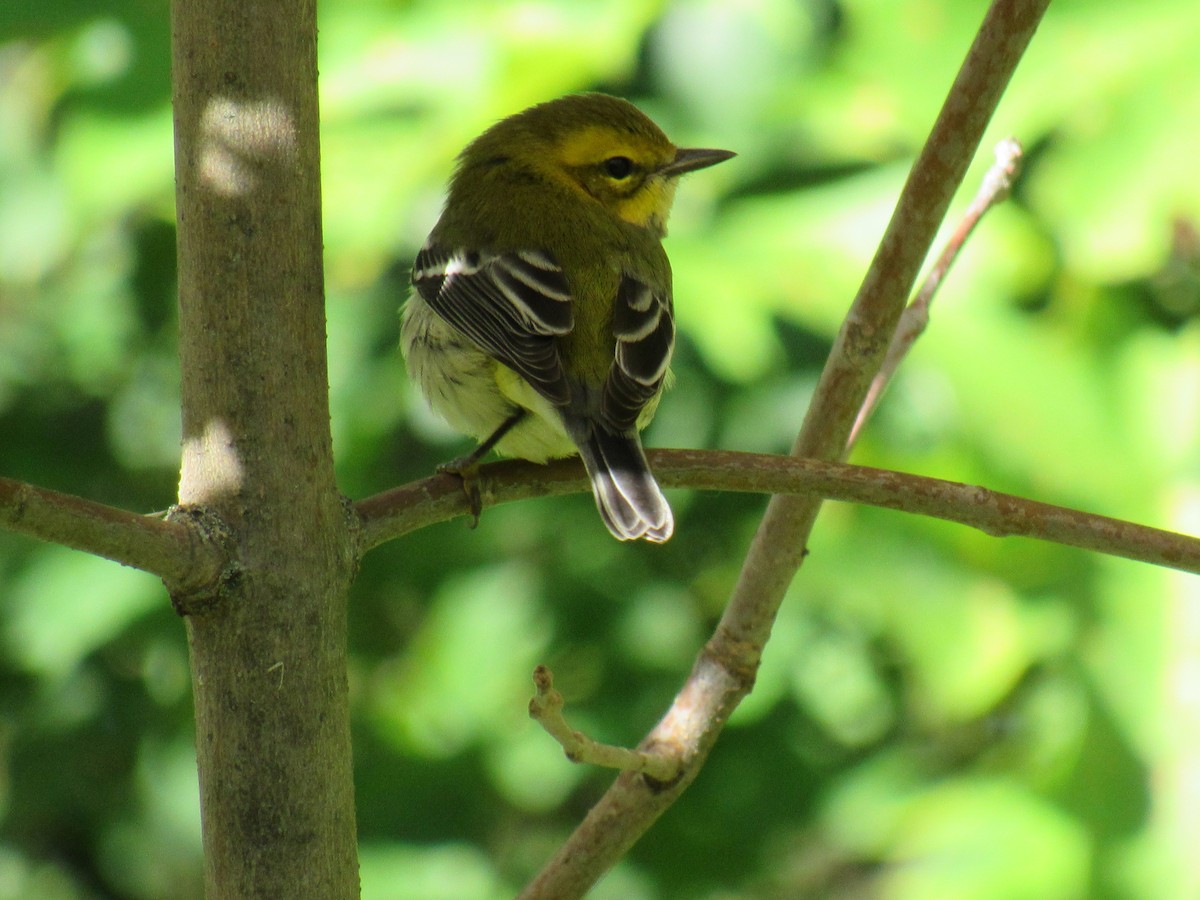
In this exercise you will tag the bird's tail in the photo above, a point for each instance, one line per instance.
(628, 497)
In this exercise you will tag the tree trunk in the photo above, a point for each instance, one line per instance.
(268, 651)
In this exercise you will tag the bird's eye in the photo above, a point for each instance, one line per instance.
(618, 167)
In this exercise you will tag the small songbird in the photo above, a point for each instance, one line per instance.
(541, 320)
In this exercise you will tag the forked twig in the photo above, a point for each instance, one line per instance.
(546, 708)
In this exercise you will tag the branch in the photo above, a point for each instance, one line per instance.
(725, 671)
(439, 498)
(175, 552)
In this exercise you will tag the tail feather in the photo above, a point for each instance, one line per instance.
(629, 499)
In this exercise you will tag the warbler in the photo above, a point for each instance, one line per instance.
(540, 320)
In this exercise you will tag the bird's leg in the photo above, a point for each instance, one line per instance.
(467, 467)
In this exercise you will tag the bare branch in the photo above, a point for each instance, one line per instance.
(173, 551)
(546, 708)
(994, 189)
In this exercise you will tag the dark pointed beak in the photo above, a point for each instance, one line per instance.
(691, 160)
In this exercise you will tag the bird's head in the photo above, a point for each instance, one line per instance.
(603, 147)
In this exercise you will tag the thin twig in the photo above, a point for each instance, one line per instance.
(546, 708)
(994, 189)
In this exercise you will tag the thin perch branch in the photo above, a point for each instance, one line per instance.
(440, 498)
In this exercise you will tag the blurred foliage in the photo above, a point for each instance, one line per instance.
(940, 714)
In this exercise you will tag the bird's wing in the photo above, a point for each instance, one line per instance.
(513, 305)
(644, 325)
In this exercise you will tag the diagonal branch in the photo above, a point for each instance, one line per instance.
(724, 672)
(173, 551)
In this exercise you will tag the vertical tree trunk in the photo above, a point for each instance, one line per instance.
(268, 654)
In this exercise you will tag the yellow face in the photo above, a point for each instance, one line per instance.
(623, 172)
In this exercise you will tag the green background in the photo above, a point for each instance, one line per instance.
(940, 714)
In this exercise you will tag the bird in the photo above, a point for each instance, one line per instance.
(540, 320)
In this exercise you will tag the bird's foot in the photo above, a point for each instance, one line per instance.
(467, 470)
